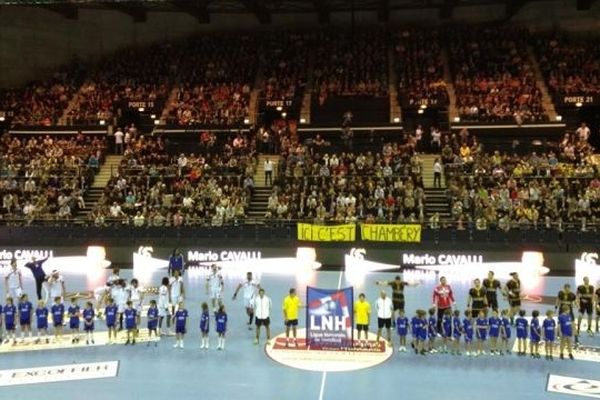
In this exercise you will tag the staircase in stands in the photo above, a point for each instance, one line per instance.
(262, 191)
(547, 102)
(107, 170)
(435, 198)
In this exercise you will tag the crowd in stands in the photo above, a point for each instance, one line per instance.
(420, 68)
(351, 64)
(42, 103)
(46, 177)
(549, 189)
(284, 60)
(570, 66)
(154, 187)
(140, 74)
(318, 186)
(216, 74)
(493, 78)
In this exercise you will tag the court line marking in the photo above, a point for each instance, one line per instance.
(324, 376)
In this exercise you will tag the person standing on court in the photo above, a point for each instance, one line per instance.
(491, 286)
(36, 267)
(13, 281)
(291, 305)
(397, 286)
(477, 301)
(385, 310)
(443, 299)
(262, 309)
(119, 137)
(437, 173)
(176, 262)
(512, 292)
(268, 167)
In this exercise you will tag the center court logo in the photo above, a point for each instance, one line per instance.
(573, 386)
(301, 357)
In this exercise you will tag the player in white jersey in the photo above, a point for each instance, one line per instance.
(102, 294)
(177, 290)
(214, 287)
(13, 281)
(120, 295)
(136, 296)
(163, 306)
(250, 289)
(55, 287)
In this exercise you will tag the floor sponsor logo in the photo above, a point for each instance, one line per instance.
(59, 373)
(345, 359)
(574, 386)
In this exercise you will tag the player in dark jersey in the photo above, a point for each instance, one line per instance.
(477, 299)
(397, 286)
(491, 286)
(566, 298)
(512, 291)
(585, 299)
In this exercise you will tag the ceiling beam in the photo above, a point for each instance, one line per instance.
(69, 11)
(196, 8)
(136, 11)
(383, 11)
(323, 11)
(513, 7)
(447, 8)
(258, 8)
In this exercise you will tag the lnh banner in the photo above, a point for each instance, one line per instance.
(329, 317)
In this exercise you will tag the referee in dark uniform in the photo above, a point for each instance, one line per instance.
(397, 286)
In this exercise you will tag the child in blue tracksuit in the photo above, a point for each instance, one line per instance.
(432, 330)
(111, 312)
(565, 330)
(549, 330)
(481, 330)
(535, 334)
(456, 332)
(494, 332)
(446, 330)
(468, 333)
(505, 332)
(41, 316)
(221, 322)
(10, 312)
(204, 326)
(521, 326)
(419, 331)
(58, 315)
(73, 312)
(153, 323)
(402, 329)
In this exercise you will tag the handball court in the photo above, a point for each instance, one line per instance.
(244, 371)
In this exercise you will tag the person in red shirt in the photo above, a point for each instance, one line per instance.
(443, 299)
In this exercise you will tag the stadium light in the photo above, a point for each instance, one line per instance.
(2, 119)
(302, 120)
(578, 104)
(456, 119)
(247, 121)
(559, 118)
(396, 120)
(284, 114)
(420, 111)
(279, 108)
(102, 122)
(153, 116)
(157, 122)
(141, 109)
(423, 106)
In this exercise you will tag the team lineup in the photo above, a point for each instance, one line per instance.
(481, 327)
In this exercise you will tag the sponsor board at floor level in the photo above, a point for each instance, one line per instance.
(59, 373)
(573, 386)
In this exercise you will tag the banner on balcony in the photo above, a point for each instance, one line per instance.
(327, 233)
(329, 317)
(408, 233)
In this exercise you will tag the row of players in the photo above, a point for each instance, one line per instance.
(475, 331)
(130, 317)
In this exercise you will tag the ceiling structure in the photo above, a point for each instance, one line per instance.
(263, 9)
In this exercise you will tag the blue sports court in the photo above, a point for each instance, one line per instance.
(244, 371)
